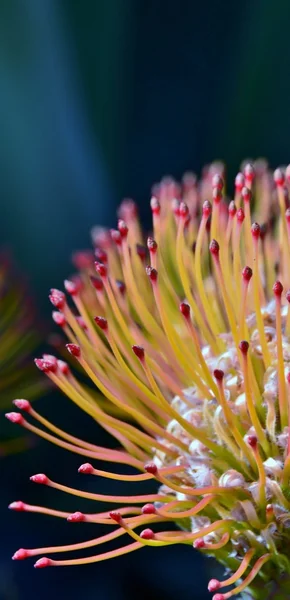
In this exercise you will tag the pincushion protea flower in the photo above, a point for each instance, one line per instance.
(18, 339)
(194, 349)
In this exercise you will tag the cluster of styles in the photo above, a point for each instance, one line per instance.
(189, 340)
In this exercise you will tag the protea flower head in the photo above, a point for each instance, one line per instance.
(18, 341)
(189, 338)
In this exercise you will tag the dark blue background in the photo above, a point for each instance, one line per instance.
(100, 98)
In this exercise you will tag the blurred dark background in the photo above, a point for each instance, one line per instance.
(100, 98)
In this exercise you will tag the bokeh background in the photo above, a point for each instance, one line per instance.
(99, 99)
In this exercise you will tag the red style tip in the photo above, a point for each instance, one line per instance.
(184, 309)
(81, 322)
(218, 374)
(240, 215)
(139, 351)
(116, 237)
(41, 563)
(199, 544)
(152, 273)
(86, 468)
(232, 209)
(249, 173)
(83, 259)
(247, 273)
(288, 295)
(252, 441)
(14, 417)
(57, 298)
(59, 318)
(218, 597)
(74, 350)
(287, 215)
(152, 245)
(44, 365)
(123, 229)
(213, 585)
(116, 516)
(217, 182)
(121, 286)
(216, 195)
(155, 206)
(76, 517)
(71, 287)
(141, 251)
(18, 506)
(244, 347)
(256, 230)
(39, 478)
(206, 209)
(63, 367)
(239, 182)
(147, 534)
(128, 210)
(20, 554)
(246, 194)
(278, 289)
(101, 255)
(148, 509)
(183, 210)
(279, 177)
(97, 283)
(101, 269)
(287, 377)
(151, 468)
(102, 323)
(214, 248)
(22, 404)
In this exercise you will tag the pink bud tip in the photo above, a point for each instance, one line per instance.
(247, 273)
(122, 228)
(139, 351)
(116, 516)
(232, 209)
(41, 563)
(116, 237)
(184, 309)
(244, 346)
(101, 255)
(151, 468)
(97, 283)
(101, 322)
(218, 597)
(217, 182)
(279, 177)
(216, 195)
(147, 534)
(14, 417)
(57, 298)
(76, 517)
(239, 182)
(214, 248)
(218, 374)
(246, 194)
(249, 172)
(121, 286)
(149, 509)
(214, 585)
(80, 320)
(206, 209)
(199, 544)
(240, 215)
(152, 273)
(59, 318)
(101, 269)
(20, 554)
(39, 478)
(18, 506)
(74, 349)
(22, 404)
(155, 206)
(183, 210)
(63, 367)
(252, 441)
(278, 289)
(152, 245)
(86, 468)
(71, 287)
(256, 230)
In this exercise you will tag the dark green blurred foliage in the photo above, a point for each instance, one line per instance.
(99, 98)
